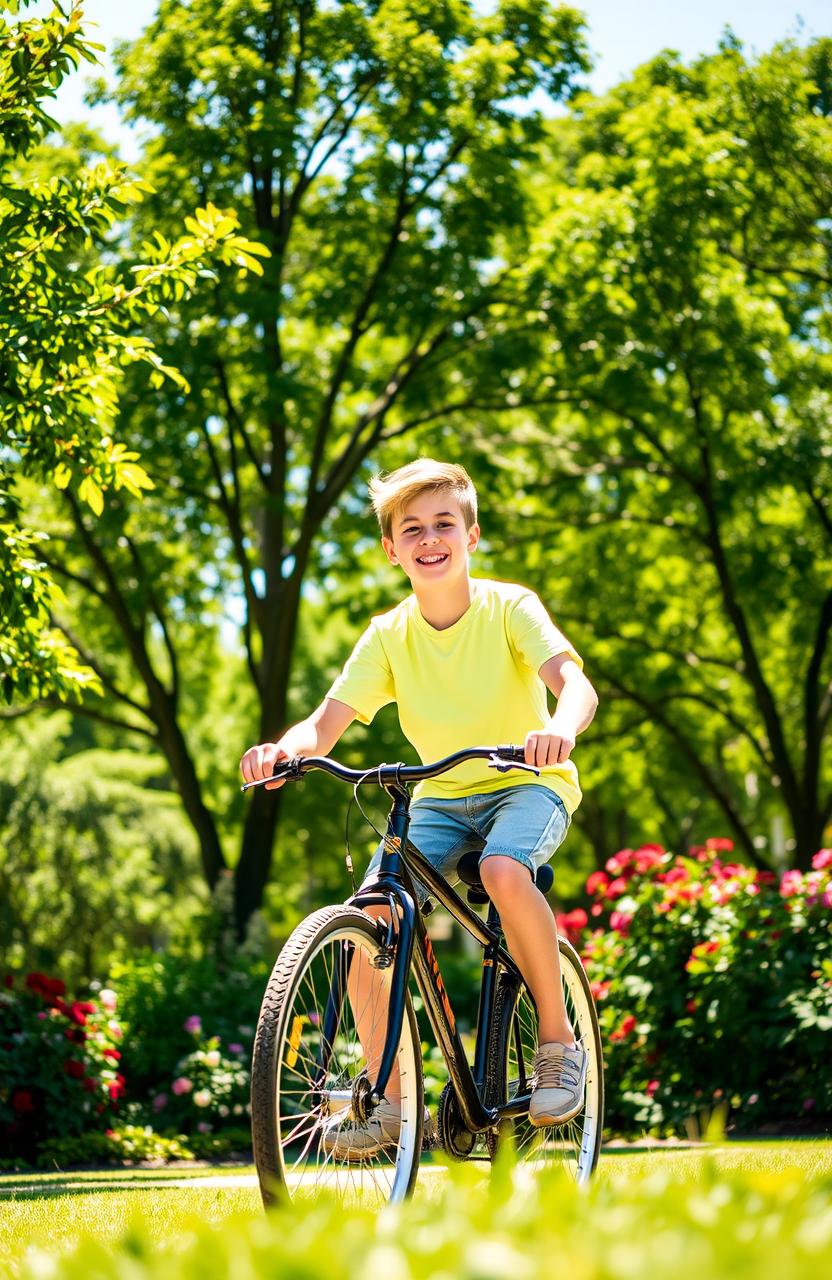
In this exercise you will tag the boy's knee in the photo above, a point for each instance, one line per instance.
(503, 877)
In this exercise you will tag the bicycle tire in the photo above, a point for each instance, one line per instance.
(288, 1046)
(575, 1145)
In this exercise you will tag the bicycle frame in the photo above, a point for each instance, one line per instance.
(394, 887)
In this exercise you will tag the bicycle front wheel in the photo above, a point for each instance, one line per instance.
(513, 1041)
(311, 1076)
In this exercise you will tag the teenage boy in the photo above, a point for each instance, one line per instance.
(468, 661)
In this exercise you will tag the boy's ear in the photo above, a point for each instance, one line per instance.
(387, 543)
(473, 537)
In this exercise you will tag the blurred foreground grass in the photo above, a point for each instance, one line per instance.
(751, 1210)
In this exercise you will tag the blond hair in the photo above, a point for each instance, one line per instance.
(392, 493)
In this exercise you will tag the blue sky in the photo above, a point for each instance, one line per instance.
(622, 35)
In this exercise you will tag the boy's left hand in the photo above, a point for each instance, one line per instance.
(552, 745)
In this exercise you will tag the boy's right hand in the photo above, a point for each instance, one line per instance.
(259, 762)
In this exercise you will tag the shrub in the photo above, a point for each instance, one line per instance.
(127, 1145)
(208, 1085)
(59, 1063)
(713, 983)
(161, 998)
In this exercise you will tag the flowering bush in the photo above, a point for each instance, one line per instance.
(210, 1084)
(59, 1063)
(713, 983)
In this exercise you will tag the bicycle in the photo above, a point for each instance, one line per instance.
(311, 1082)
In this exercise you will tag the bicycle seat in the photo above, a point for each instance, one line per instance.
(468, 869)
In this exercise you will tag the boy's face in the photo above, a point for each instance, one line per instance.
(430, 540)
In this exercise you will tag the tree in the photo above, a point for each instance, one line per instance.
(682, 440)
(70, 325)
(376, 151)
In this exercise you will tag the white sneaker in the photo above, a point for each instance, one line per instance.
(354, 1141)
(559, 1083)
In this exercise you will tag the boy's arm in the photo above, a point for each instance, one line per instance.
(577, 703)
(314, 736)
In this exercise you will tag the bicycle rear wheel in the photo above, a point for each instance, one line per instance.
(576, 1145)
(310, 1075)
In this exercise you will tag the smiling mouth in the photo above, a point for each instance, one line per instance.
(432, 559)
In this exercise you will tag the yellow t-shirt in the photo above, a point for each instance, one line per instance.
(474, 684)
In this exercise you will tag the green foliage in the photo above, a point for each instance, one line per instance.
(96, 858)
(670, 493)
(69, 327)
(701, 1224)
(59, 1064)
(162, 997)
(713, 983)
(125, 1145)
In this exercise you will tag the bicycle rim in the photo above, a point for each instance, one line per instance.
(574, 1146)
(309, 1068)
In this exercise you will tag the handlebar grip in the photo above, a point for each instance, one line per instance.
(511, 753)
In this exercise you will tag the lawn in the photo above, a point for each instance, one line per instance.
(740, 1209)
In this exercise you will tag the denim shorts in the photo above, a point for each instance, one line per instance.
(526, 823)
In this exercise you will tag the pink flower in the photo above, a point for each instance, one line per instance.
(202, 1098)
(203, 1127)
(823, 858)
(160, 1102)
(827, 897)
(236, 1048)
(108, 999)
(114, 1030)
(652, 1086)
(648, 856)
(671, 876)
(599, 990)
(617, 887)
(791, 882)
(620, 921)
(193, 1025)
(182, 1085)
(808, 1103)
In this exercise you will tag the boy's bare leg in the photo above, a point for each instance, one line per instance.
(369, 994)
(531, 934)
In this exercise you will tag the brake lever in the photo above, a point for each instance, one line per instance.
(292, 773)
(503, 766)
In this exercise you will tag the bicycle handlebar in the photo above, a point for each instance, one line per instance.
(501, 758)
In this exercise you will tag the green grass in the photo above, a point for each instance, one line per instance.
(741, 1209)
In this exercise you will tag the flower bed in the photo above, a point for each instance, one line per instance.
(59, 1063)
(713, 983)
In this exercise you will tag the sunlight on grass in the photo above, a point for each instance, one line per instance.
(710, 1207)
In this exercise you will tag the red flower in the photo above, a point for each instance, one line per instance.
(616, 887)
(22, 1101)
(89, 1084)
(597, 882)
(596, 909)
(692, 1006)
(599, 989)
(112, 1053)
(648, 856)
(627, 1025)
(720, 844)
(116, 1089)
(74, 1068)
(78, 1014)
(652, 1086)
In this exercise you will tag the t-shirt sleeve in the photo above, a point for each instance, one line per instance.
(366, 683)
(534, 635)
